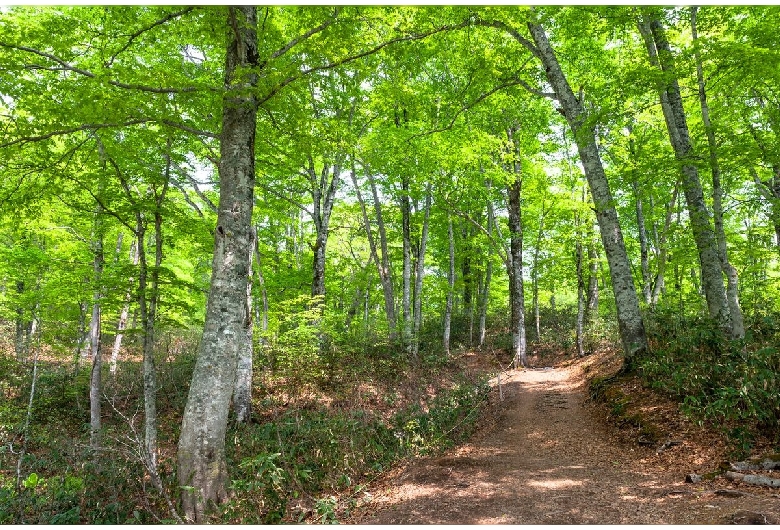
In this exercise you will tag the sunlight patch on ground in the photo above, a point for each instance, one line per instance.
(554, 484)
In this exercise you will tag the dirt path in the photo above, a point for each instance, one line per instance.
(548, 459)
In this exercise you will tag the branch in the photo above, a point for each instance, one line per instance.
(284, 49)
(86, 73)
(166, 18)
(360, 55)
(211, 206)
(498, 24)
(61, 132)
(482, 97)
(498, 247)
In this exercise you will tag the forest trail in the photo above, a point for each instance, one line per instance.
(548, 458)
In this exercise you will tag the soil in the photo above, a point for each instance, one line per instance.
(547, 454)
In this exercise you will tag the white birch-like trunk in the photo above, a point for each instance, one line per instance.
(630, 324)
(202, 467)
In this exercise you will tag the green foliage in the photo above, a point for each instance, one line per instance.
(731, 384)
(305, 453)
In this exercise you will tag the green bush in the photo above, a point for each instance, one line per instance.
(732, 384)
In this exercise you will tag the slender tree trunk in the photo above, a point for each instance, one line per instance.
(515, 272)
(580, 327)
(323, 190)
(406, 213)
(663, 252)
(641, 228)
(383, 263)
(631, 326)
(95, 386)
(123, 316)
(660, 54)
(21, 327)
(202, 467)
(732, 285)
(419, 274)
(535, 273)
(485, 294)
(592, 301)
(450, 289)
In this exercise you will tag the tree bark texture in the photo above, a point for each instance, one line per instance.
(732, 280)
(660, 53)
(631, 326)
(515, 272)
(242, 395)
(202, 468)
(419, 274)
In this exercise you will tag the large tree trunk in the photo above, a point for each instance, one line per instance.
(632, 330)
(242, 395)
(732, 284)
(515, 272)
(660, 54)
(202, 468)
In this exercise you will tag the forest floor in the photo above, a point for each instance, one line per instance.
(549, 454)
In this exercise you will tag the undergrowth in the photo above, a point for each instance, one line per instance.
(730, 384)
(316, 442)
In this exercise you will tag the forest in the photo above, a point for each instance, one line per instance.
(244, 250)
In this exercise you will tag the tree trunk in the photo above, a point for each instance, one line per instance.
(485, 294)
(202, 468)
(515, 272)
(450, 290)
(382, 264)
(242, 395)
(95, 386)
(632, 330)
(123, 316)
(419, 273)
(592, 301)
(580, 325)
(406, 213)
(644, 253)
(732, 285)
(660, 54)
(535, 274)
(660, 283)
